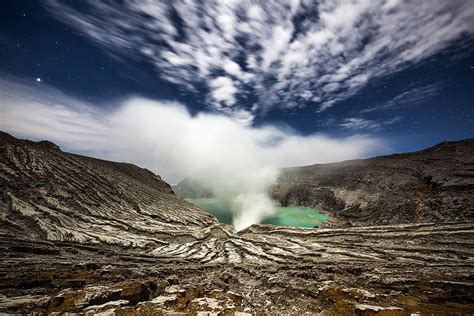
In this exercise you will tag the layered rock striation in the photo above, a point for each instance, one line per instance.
(53, 195)
(88, 236)
(432, 185)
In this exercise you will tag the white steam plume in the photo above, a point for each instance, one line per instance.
(238, 162)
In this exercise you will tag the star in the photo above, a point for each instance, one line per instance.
(38, 79)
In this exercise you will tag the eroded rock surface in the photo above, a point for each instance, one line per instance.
(50, 194)
(386, 270)
(432, 185)
(87, 236)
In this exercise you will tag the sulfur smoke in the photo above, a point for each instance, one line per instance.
(239, 163)
(214, 150)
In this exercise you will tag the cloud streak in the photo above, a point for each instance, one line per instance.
(238, 162)
(359, 123)
(284, 54)
(408, 98)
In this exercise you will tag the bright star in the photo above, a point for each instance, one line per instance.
(38, 79)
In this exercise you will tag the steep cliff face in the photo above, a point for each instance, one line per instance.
(432, 185)
(53, 195)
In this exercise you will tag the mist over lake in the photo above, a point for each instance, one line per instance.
(291, 216)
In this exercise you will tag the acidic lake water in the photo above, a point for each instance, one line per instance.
(284, 216)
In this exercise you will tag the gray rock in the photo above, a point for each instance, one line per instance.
(50, 194)
(81, 235)
(432, 185)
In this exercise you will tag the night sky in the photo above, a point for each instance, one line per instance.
(399, 71)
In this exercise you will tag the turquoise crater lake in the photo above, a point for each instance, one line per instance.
(285, 216)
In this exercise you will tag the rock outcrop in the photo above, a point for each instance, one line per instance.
(88, 236)
(432, 185)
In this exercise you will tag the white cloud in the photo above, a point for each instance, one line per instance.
(356, 123)
(223, 91)
(359, 123)
(232, 68)
(333, 56)
(408, 98)
(238, 161)
(45, 113)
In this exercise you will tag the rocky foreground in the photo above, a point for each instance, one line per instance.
(95, 237)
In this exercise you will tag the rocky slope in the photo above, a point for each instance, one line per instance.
(92, 237)
(49, 194)
(432, 185)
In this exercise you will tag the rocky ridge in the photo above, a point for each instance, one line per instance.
(88, 236)
(432, 185)
(53, 195)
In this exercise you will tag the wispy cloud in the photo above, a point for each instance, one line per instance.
(359, 123)
(408, 98)
(285, 53)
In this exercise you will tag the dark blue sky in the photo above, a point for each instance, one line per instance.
(413, 102)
